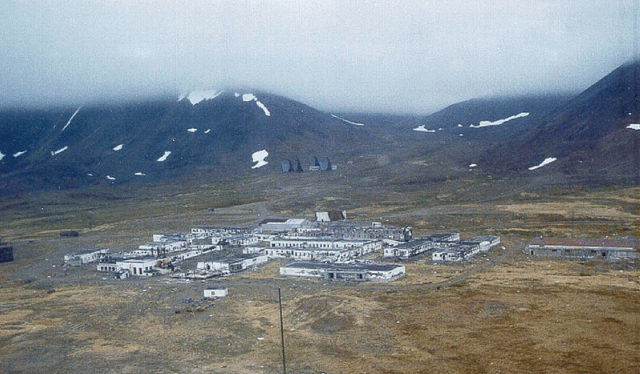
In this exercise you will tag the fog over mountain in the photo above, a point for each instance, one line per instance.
(391, 56)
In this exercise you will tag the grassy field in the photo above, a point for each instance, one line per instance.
(504, 312)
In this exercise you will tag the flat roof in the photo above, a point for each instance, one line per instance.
(442, 235)
(273, 220)
(235, 257)
(412, 243)
(138, 260)
(483, 238)
(347, 267)
(85, 252)
(588, 242)
(311, 249)
(220, 228)
(322, 239)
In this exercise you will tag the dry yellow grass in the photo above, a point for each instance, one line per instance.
(504, 314)
(516, 316)
(569, 209)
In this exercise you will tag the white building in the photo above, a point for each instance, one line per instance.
(216, 230)
(107, 266)
(138, 266)
(282, 225)
(485, 242)
(345, 272)
(455, 253)
(163, 247)
(362, 247)
(233, 264)
(173, 237)
(242, 240)
(215, 292)
(332, 215)
(417, 246)
(85, 256)
(135, 253)
(313, 254)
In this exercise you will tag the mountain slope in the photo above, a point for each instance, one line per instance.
(588, 135)
(215, 132)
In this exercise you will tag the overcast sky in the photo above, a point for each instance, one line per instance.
(377, 56)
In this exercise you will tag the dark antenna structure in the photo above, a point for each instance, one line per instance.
(284, 362)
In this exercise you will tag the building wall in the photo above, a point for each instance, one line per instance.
(216, 292)
(213, 265)
(138, 268)
(344, 273)
(581, 252)
(302, 272)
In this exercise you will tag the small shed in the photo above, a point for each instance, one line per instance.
(6, 252)
(298, 166)
(215, 292)
(286, 166)
(325, 164)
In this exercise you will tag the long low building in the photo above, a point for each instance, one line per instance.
(455, 253)
(161, 248)
(85, 256)
(418, 246)
(146, 266)
(485, 242)
(315, 254)
(345, 272)
(234, 263)
(362, 246)
(613, 249)
(284, 225)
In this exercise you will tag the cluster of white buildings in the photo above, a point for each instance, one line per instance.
(443, 247)
(345, 272)
(328, 248)
(85, 256)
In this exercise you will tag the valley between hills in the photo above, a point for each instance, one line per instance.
(501, 312)
(555, 166)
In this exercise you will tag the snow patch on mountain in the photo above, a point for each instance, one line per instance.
(53, 153)
(422, 128)
(195, 97)
(18, 154)
(251, 97)
(164, 156)
(347, 121)
(140, 174)
(634, 126)
(110, 178)
(118, 147)
(264, 108)
(259, 158)
(192, 130)
(473, 165)
(248, 97)
(207, 131)
(546, 161)
(71, 118)
(2, 156)
(500, 121)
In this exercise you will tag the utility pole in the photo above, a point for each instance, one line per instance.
(284, 362)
